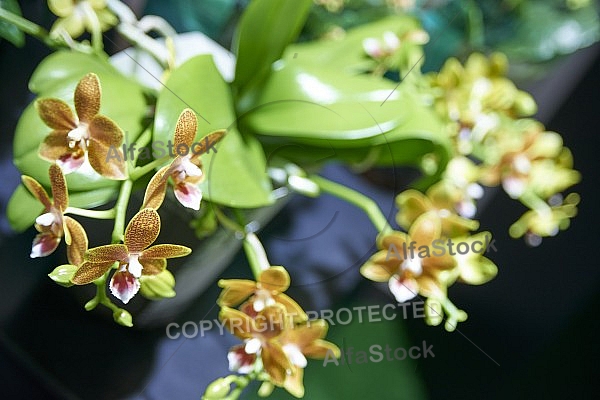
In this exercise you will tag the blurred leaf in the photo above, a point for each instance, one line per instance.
(9, 31)
(236, 173)
(264, 31)
(57, 76)
(546, 31)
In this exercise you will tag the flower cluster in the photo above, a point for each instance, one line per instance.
(489, 121)
(409, 275)
(396, 51)
(277, 335)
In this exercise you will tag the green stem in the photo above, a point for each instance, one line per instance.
(143, 170)
(475, 25)
(97, 214)
(28, 27)
(532, 201)
(92, 19)
(353, 197)
(228, 222)
(121, 210)
(256, 255)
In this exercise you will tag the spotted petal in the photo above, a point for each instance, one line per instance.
(123, 285)
(89, 272)
(60, 195)
(55, 145)
(142, 230)
(87, 97)
(37, 191)
(56, 114)
(156, 189)
(109, 252)
(185, 130)
(207, 142)
(79, 242)
(165, 251)
(154, 266)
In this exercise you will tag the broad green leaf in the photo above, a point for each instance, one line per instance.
(57, 76)
(236, 174)
(347, 54)
(314, 103)
(23, 208)
(264, 31)
(9, 31)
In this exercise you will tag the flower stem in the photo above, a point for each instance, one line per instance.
(28, 27)
(92, 19)
(120, 211)
(256, 255)
(97, 214)
(353, 197)
(143, 170)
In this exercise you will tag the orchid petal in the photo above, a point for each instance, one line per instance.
(189, 195)
(185, 130)
(156, 189)
(79, 242)
(44, 244)
(37, 191)
(87, 97)
(60, 195)
(109, 252)
(165, 251)
(142, 230)
(403, 290)
(90, 271)
(124, 285)
(56, 114)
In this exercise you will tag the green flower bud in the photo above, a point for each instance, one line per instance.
(217, 389)
(63, 274)
(122, 317)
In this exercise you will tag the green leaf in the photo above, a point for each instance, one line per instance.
(9, 31)
(236, 173)
(63, 274)
(264, 31)
(57, 76)
(22, 209)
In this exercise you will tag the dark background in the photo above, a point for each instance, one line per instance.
(537, 319)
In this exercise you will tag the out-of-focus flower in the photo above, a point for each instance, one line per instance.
(546, 221)
(475, 97)
(305, 340)
(396, 51)
(85, 136)
(266, 292)
(444, 199)
(273, 342)
(333, 6)
(186, 169)
(78, 16)
(134, 257)
(52, 225)
(404, 265)
(526, 154)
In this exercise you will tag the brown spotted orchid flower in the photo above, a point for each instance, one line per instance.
(85, 136)
(186, 168)
(52, 225)
(267, 291)
(444, 199)
(281, 345)
(407, 262)
(259, 330)
(134, 257)
(303, 341)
